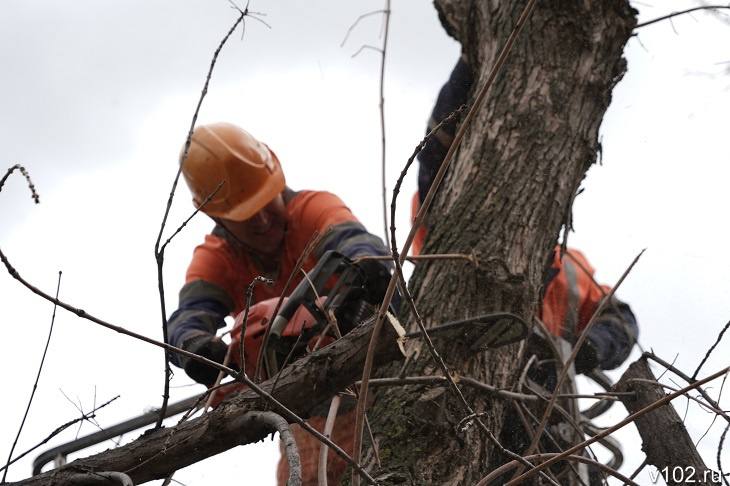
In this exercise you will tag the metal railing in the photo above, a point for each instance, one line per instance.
(58, 454)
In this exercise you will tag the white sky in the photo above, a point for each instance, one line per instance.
(96, 98)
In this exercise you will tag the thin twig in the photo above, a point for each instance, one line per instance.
(244, 322)
(689, 380)
(719, 455)
(22, 170)
(216, 383)
(631, 418)
(286, 360)
(367, 46)
(354, 24)
(35, 384)
(367, 368)
(160, 251)
(714, 419)
(58, 430)
(381, 105)
(639, 469)
(194, 213)
(709, 351)
(702, 404)
(682, 12)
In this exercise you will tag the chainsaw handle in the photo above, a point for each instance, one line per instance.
(317, 278)
(307, 291)
(277, 327)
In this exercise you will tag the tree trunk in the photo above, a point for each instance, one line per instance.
(505, 197)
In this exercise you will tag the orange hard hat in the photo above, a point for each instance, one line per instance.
(249, 170)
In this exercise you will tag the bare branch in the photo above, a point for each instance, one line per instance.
(382, 117)
(709, 351)
(22, 170)
(35, 384)
(160, 251)
(681, 12)
(719, 456)
(354, 24)
(197, 210)
(244, 323)
(367, 46)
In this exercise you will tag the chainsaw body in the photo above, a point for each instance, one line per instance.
(335, 288)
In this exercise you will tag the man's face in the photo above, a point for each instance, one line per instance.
(264, 231)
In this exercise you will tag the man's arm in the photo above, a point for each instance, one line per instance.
(328, 215)
(453, 94)
(613, 335)
(615, 331)
(204, 303)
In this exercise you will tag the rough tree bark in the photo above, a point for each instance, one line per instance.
(506, 197)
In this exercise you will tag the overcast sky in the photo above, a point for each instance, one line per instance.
(96, 98)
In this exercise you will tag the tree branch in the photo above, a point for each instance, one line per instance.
(681, 12)
(665, 438)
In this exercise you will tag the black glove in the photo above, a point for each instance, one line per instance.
(208, 346)
(377, 278)
(587, 358)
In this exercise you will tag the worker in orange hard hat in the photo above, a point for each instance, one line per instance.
(261, 228)
(571, 295)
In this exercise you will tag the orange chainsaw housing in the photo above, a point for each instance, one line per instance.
(256, 324)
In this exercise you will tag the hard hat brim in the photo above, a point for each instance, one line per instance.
(255, 203)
